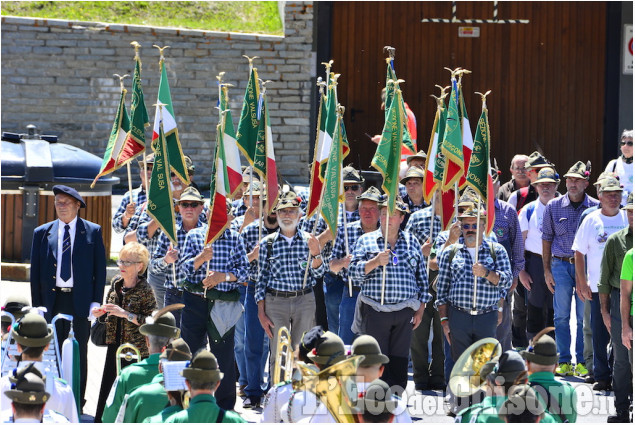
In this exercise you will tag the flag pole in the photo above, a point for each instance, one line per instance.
(345, 223)
(319, 212)
(478, 226)
(383, 276)
(251, 169)
(431, 227)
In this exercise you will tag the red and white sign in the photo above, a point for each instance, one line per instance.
(627, 56)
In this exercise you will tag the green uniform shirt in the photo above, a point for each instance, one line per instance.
(487, 412)
(562, 392)
(614, 251)
(146, 400)
(161, 417)
(203, 409)
(627, 271)
(131, 377)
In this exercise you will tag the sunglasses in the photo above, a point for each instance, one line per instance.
(127, 263)
(470, 226)
(353, 187)
(629, 143)
(189, 204)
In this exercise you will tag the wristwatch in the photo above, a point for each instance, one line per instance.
(487, 274)
(317, 257)
(227, 277)
(131, 317)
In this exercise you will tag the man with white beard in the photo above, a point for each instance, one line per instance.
(282, 295)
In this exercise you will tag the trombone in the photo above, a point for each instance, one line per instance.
(127, 352)
(283, 367)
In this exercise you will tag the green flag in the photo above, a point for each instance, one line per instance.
(408, 147)
(160, 205)
(247, 136)
(388, 155)
(333, 190)
(439, 160)
(120, 129)
(452, 145)
(479, 162)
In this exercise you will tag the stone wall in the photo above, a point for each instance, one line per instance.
(58, 75)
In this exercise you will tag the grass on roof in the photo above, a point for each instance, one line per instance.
(237, 16)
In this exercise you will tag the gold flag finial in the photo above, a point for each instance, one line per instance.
(160, 104)
(391, 53)
(263, 85)
(321, 84)
(121, 77)
(251, 61)
(439, 100)
(220, 76)
(444, 91)
(136, 46)
(461, 72)
(483, 96)
(328, 65)
(161, 49)
(340, 110)
(454, 72)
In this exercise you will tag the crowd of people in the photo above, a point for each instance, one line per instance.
(396, 289)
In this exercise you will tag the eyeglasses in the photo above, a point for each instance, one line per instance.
(519, 169)
(470, 226)
(127, 263)
(629, 143)
(353, 187)
(189, 204)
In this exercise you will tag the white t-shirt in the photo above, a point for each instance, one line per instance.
(472, 252)
(591, 239)
(533, 226)
(625, 172)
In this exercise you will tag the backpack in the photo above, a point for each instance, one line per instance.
(453, 250)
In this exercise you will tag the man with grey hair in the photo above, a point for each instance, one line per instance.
(519, 177)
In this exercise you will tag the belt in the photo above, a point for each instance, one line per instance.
(570, 260)
(476, 312)
(63, 289)
(533, 254)
(289, 294)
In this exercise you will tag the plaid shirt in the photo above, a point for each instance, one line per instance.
(237, 223)
(354, 231)
(307, 226)
(402, 191)
(249, 235)
(142, 233)
(160, 267)
(283, 270)
(508, 234)
(138, 197)
(455, 282)
(229, 257)
(419, 226)
(239, 208)
(405, 280)
(443, 236)
(560, 223)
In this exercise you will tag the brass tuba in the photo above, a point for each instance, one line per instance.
(465, 378)
(335, 387)
(283, 367)
(127, 352)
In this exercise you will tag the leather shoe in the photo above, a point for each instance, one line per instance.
(589, 379)
(620, 418)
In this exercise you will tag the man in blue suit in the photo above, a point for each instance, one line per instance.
(68, 270)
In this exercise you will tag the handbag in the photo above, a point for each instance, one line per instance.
(98, 333)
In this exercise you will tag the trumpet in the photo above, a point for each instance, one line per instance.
(283, 367)
(127, 352)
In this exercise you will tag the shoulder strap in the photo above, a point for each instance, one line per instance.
(522, 197)
(269, 246)
(221, 415)
(453, 250)
(530, 210)
(492, 250)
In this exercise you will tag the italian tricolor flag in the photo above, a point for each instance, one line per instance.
(219, 188)
(232, 153)
(177, 162)
(118, 135)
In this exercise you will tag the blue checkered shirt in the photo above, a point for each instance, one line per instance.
(239, 208)
(142, 232)
(405, 280)
(411, 206)
(402, 191)
(160, 267)
(237, 223)
(442, 238)
(249, 235)
(560, 223)
(455, 282)
(283, 270)
(354, 231)
(138, 197)
(307, 226)
(508, 234)
(229, 256)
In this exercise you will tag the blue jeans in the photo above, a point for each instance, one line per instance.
(239, 342)
(347, 312)
(601, 339)
(174, 296)
(256, 346)
(564, 276)
(333, 286)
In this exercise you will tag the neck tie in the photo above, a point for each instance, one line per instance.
(65, 273)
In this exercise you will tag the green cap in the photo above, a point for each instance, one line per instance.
(27, 386)
(288, 200)
(521, 398)
(610, 184)
(351, 175)
(330, 350)
(547, 175)
(32, 331)
(371, 194)
(413, 172)
(536, 160)
(579, 170)
(161, 324)
(367, 346)
(203, 367)
(543, 351)
(176, 351)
